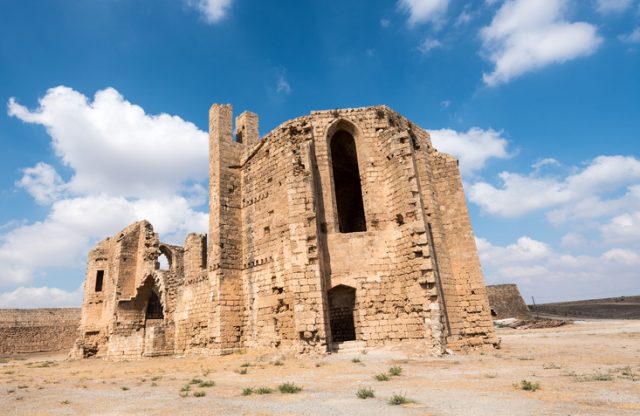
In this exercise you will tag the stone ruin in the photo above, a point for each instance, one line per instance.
(505, 302)
(339, 226)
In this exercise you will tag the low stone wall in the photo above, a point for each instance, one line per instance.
(38, 330)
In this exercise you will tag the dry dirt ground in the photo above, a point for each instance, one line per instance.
(588, 368)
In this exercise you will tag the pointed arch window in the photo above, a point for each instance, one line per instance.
(346, 182)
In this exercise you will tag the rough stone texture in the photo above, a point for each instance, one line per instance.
(340, 225)
(506, 302)
(38, 330)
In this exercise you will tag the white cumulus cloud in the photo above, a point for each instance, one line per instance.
(42, 182)
(520, 194)
(422, 11)
(126, 166)
(612, 6)
(526, 35)
(40, 297)
(552, 275)
(114, 147)
(631, 37)
(212, 11)
(473, 148)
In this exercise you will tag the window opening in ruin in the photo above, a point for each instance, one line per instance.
(154, 307)
(342, 302)
(163, 262)
(99, 280)
(346, 182)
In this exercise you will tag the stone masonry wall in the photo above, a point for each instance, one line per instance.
(464, 293)
(25, 331)
(506, 302)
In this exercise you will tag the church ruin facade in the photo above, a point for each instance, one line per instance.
(342, 225)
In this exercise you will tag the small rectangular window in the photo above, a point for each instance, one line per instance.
(99, 279)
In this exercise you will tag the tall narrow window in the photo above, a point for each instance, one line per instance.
(346, 180)
(99, 279)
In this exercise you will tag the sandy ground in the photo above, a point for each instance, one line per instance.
(588, 368)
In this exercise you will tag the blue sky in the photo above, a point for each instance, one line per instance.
(106, 108)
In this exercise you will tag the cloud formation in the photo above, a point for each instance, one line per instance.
(41, 297)
(612, 6)
(526, 35)
(520, 194)
(473, 148)
(552, 275)
(126, 166)
(213, 11)
(423, 11)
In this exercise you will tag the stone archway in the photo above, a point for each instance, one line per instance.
(342, 302)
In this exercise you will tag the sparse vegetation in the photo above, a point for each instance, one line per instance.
(245, 364)
(395, 371)
(356, 360)
(4, 360)
(365, 393)
(527, 385)
(23, 386)
(199, 394)
(551, 366)
(248, 391)
(263, 390)
(65, 402)
(195, 381)
(124, 388)
(381, 377)
(242, 370)
(627, 372)
(491, 375)
(398, 399)
(278, 363)
(597, 376)
(289, 388)
(207, 383)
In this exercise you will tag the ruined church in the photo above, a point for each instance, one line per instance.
(341, 226)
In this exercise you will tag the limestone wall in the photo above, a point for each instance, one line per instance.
(506, 302)
(38, 330)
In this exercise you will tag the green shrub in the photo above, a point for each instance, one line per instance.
(289, 388)
(365, 393)
(247, 391)
(199, 394)
(395, 371)
(397, 399)
(207, 383)
(355, 360)
(528, 385)
(381, 377)
(263, 390)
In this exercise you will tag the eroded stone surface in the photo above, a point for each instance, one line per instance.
(345, 221)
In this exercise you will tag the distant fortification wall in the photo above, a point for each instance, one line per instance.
(38, 330)
(506, 302)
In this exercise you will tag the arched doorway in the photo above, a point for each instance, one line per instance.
(342, 302)
(154, 307)
(346, 183)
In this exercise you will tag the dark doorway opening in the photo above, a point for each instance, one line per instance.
(346, 182)
(342, 302)
(154, 307)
